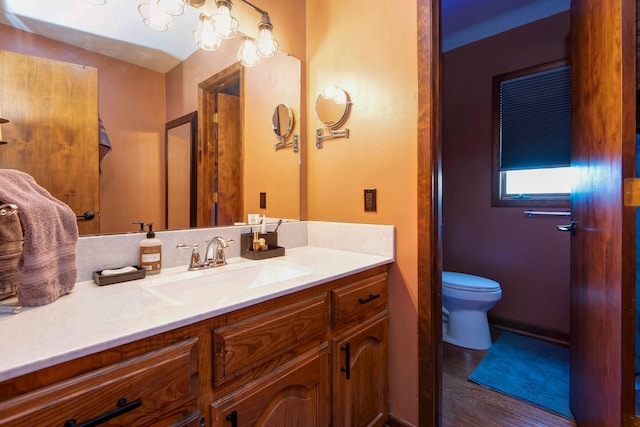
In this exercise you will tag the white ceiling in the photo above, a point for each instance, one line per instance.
(115, 29)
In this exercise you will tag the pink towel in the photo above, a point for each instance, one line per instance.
(48, 267)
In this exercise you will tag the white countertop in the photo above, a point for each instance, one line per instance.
(93, 318)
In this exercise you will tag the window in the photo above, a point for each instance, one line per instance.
(532, 137)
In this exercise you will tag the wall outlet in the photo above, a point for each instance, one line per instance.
(263, 200)
(370, 196)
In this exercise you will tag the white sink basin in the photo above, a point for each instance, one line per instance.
(223, 284)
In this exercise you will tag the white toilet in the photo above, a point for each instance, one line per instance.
(466, 299)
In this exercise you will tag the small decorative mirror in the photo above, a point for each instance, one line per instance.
(332, 110)
(282, 124)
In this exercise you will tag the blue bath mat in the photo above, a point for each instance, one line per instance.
(528, 369)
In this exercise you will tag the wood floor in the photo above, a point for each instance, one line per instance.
(465, 403)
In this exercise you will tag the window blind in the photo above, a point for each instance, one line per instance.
(535, 120)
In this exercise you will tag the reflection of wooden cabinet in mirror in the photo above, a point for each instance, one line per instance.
(53, 133)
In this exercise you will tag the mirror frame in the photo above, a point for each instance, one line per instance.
(192, 120)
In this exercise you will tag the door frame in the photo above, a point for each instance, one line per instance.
(430, 237)
(207, 91)
(429, 214)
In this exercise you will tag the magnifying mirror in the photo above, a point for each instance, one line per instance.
(282, 123)
(332, 110)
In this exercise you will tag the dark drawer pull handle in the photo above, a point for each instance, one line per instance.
(347, 357)
(123, 408)
(370, 298)
(233, 418)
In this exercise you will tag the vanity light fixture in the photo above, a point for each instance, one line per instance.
(212, 29)
(2, 121)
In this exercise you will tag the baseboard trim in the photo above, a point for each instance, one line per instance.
(532, 331)
(398, 422)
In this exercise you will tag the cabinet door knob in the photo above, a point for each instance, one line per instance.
(347, 356)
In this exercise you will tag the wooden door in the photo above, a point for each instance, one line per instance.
(53, 131)
(602, 248)
(229, 161)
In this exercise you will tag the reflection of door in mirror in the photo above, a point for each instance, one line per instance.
(53, 131)
(181, 180)
(221, 202)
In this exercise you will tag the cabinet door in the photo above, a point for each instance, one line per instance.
(360, 381)
(294, 395)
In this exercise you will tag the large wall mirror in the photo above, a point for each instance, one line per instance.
(136, 101)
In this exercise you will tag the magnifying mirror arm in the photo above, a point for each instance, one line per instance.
(333, 133)
(284, 144)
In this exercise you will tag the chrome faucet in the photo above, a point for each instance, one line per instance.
(217, 259)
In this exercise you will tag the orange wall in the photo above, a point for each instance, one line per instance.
(371, 52)
(131, 104)
(527, 256)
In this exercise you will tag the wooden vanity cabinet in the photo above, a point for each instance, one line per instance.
(360, 353)
(280, 362)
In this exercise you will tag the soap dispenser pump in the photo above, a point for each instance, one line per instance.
(151, 252)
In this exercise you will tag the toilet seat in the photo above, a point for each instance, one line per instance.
(468, 282)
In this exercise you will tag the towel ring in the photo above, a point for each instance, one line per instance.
(8, 209)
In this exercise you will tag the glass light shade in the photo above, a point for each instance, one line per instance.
(172, 7)
(266, 45)
(154, 17)
(224, 22)
(205, 36)
(248, 54)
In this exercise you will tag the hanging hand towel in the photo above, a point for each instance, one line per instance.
(47, 268)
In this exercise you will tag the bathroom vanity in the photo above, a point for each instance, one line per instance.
(308, 345)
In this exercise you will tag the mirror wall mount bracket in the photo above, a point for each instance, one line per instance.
(284, 144)
(333, 133)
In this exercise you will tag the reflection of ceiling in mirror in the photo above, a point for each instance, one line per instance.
(113, 29)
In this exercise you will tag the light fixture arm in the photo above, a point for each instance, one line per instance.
(256, 8)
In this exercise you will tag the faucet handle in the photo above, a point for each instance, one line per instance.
(224, 243)
(195, 254)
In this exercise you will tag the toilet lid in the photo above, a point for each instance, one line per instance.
(468, 282)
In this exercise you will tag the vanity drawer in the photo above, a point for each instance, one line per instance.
(360, 300)
(159, 386)
(260, 339)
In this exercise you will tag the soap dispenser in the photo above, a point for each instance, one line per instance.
(151, 252)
